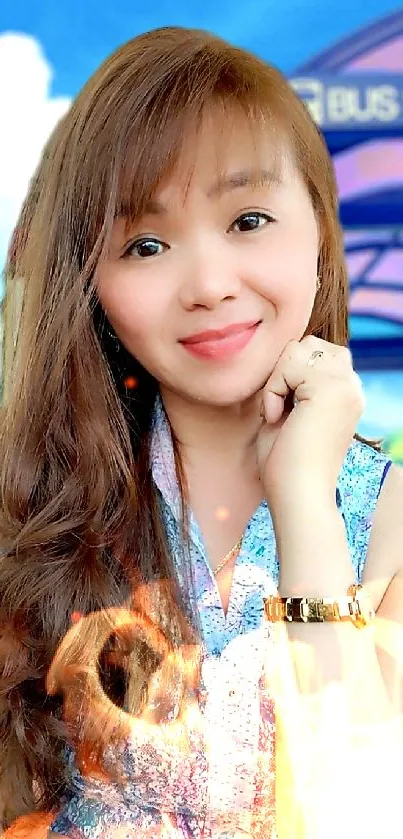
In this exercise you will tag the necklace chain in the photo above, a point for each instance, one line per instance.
(227, 557)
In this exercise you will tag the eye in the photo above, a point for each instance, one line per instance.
(145, 248)
(251, 221)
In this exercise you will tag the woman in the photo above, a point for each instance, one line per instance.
(177, 449)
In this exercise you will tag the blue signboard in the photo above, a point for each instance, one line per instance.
(353, 101)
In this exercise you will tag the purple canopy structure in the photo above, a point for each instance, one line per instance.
(354, 91)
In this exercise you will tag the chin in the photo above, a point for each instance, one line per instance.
(223, 395)
(220, 386)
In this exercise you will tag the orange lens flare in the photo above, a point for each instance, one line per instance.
(130, 383)
(317, 765)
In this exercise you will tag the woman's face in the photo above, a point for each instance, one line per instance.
(211, 257)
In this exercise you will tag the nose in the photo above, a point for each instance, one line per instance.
(210, 277)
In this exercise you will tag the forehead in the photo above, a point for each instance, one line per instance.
(228, 145)
(222, 143)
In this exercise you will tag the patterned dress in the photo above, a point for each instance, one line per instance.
(227, 789)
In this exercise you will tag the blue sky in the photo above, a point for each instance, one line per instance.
(49, 48)
(78, 34)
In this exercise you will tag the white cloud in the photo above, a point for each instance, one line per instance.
(28, 116)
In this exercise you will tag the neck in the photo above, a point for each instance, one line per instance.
(222, 435)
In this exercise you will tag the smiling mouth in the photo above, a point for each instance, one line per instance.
(221, 344)
(213, 334)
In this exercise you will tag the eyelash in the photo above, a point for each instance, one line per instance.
(148, 239)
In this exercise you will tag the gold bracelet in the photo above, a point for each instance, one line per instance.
(355, 607)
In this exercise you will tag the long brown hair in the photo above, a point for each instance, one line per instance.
(80, 522)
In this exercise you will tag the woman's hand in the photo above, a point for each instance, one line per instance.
(309, 449)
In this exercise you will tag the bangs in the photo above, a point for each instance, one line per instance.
(164, 143)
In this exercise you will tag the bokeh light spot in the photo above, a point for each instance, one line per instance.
(222, 513)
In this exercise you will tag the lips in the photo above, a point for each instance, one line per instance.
(220, 344)
(218, 334)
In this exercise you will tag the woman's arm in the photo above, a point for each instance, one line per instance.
(300, 466)
(383, 576)
(315, 561)
(336, 719)
(339, 689)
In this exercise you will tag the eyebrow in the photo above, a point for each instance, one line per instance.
(226, 183)
(248, 177)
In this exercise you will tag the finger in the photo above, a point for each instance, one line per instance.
(293, 374)
(283, 380)
(294, 369)
(272, 407)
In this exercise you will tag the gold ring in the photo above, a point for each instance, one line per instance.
(312, 358)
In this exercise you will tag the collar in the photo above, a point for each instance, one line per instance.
(162, 460)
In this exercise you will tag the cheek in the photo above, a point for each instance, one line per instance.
(291, 283)
(291, 267)
(136, 312)
(300, 250)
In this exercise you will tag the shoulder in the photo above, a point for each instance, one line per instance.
(362, 477)
(364, 469)
(371, 501)
(385, 552)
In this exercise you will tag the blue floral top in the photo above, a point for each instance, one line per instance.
(223, 786)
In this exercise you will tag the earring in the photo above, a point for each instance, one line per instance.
(318, 282)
